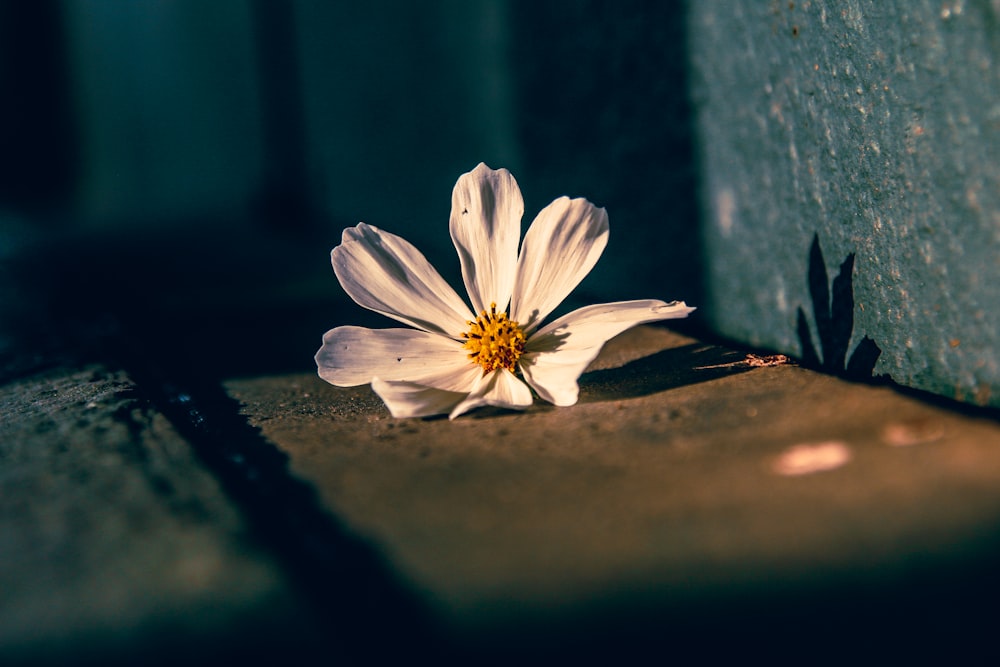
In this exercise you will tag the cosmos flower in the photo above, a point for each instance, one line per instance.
(454, 360)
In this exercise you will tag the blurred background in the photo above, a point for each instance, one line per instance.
(186, 163)
(186, 167)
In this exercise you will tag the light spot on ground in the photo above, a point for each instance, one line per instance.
(912, 432)
(807, 458)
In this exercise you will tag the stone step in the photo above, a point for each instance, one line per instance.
(690, 481)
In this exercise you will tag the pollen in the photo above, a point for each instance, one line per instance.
(493, 341)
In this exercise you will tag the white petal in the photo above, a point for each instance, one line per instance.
(409, 399)
(486, 210)
(351, 356)
(561, 247)
(385, 273)
(499, 389)
(557, 354)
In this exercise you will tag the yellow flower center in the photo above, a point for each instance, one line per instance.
(493, 341)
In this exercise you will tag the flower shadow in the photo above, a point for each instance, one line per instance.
(668, 369)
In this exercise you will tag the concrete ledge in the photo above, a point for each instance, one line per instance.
(115, 543)
(690, 477)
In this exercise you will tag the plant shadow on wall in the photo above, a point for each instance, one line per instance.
(834, 317)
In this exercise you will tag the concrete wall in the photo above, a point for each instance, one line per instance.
(865, 129)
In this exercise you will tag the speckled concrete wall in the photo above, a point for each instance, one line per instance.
(864, 130)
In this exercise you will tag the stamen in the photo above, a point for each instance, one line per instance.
(494, 341)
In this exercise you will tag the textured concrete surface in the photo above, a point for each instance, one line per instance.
(689, 476)
(698, 501)
(670, 512)
(115, 542)
(876, 126)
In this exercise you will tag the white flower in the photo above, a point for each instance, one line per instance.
(454, 361)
